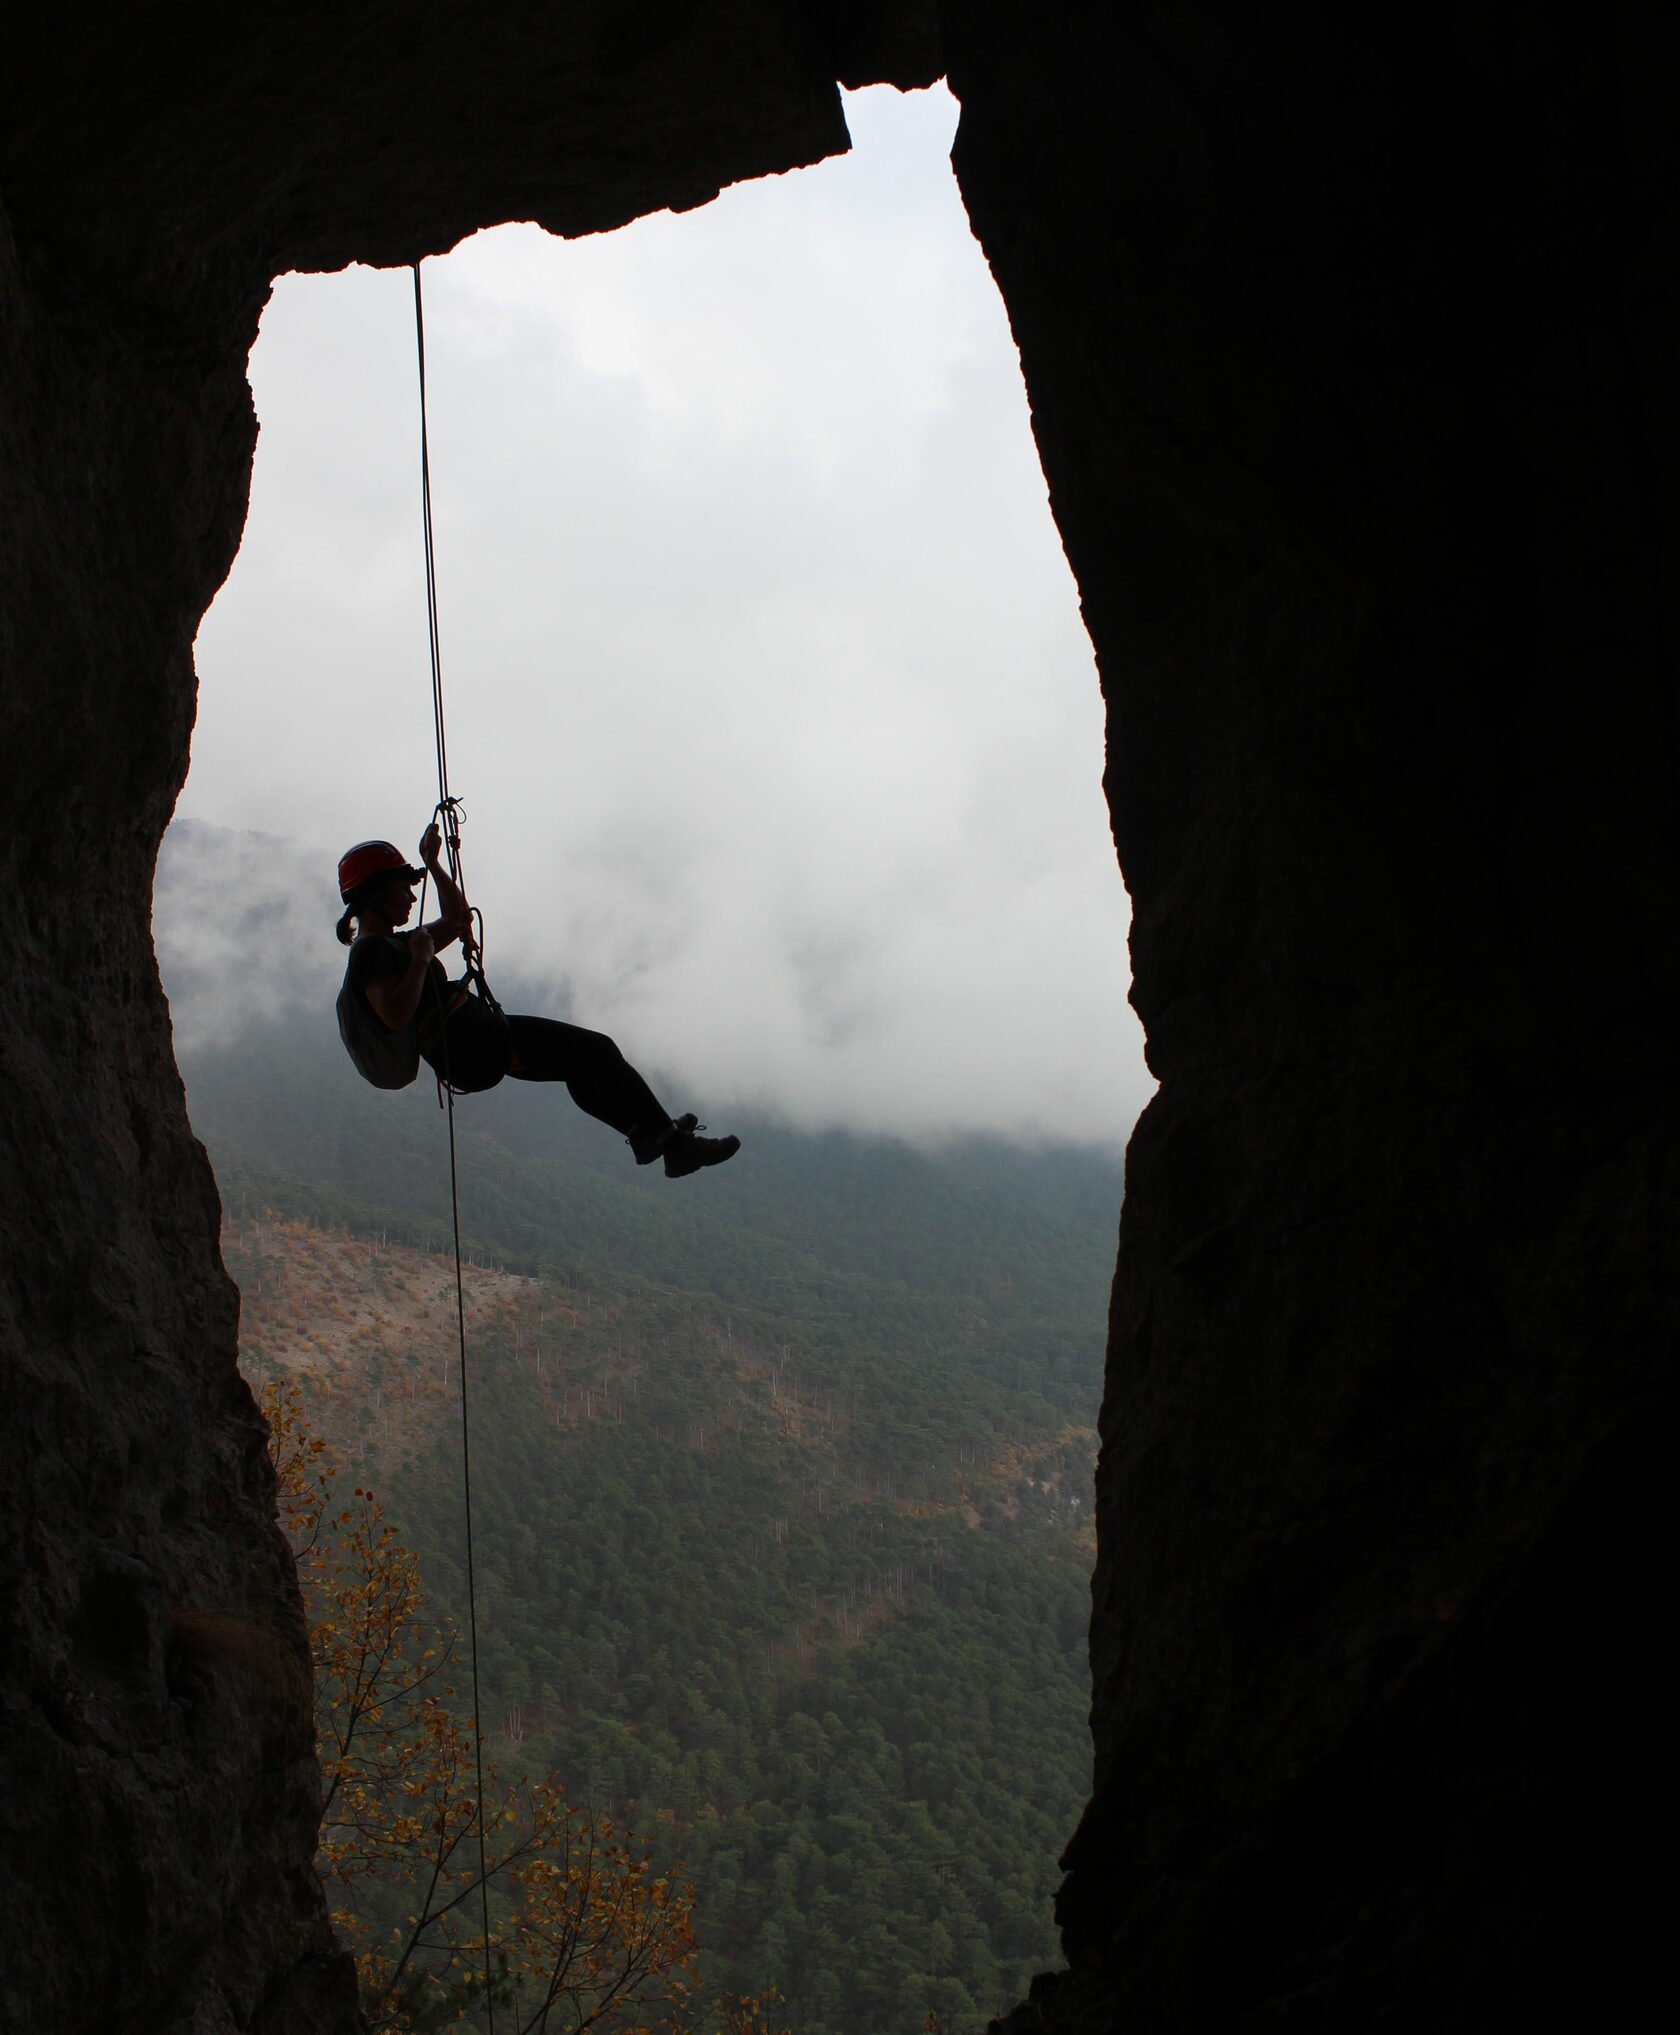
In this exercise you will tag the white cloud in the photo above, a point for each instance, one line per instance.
(767, 690)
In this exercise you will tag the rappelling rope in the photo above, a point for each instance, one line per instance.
(448, 820)
(432, 639)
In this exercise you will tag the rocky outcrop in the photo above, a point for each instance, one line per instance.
(1348, 359)
(1345, 357)
(156, 170)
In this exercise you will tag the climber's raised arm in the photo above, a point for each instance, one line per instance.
(454, 919)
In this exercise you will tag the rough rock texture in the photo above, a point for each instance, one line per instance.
(1351, 362)
(157, 168)
(1349, 344)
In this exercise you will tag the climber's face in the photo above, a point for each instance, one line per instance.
(399, 900)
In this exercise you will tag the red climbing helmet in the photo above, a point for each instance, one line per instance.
(372, 858)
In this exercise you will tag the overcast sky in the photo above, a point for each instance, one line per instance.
(769, 700)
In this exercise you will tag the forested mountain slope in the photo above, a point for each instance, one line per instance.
(780, 1479)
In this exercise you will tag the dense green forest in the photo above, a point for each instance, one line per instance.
(781, 1489)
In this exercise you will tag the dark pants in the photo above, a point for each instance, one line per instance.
(601, 1081)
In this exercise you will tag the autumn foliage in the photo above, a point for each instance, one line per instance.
(582, 1932)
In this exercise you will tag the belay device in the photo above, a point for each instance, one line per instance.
(465, 1037)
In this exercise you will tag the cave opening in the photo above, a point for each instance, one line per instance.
(1348, 367)
(747, 495)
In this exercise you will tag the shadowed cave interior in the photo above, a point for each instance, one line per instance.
(1350, 369)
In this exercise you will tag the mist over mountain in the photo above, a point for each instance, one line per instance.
(782, 1475)
(243, 926)
(237, 930)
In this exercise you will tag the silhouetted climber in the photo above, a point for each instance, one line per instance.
(398, 1006)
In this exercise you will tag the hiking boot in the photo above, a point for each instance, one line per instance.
(655, 1147)
(687, 1152)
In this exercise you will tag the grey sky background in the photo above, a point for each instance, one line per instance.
(769, 700)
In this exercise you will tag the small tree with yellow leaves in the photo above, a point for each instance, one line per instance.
(582, 1931)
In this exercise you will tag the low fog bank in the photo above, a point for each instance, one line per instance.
(924, 1030)
(243, 925)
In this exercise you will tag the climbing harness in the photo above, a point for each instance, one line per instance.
(447, 815)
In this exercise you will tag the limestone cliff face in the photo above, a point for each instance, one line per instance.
(1350, 369)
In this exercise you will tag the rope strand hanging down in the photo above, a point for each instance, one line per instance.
(434, 644)
(447, 809)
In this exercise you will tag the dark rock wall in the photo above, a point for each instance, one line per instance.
(1350, 356)
(1349, 349)
(157, 168)
(159, 1797)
